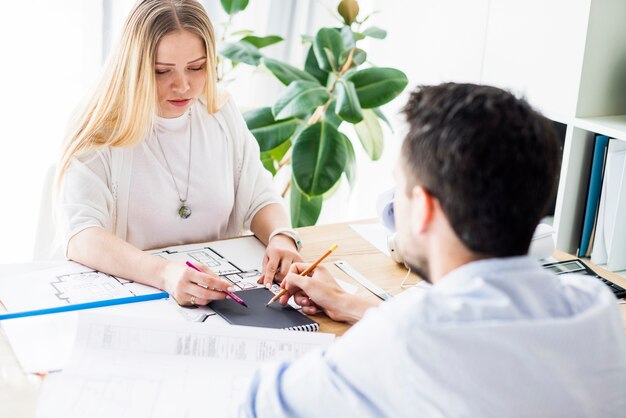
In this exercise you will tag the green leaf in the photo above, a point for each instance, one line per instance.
(233, 6)
(318, 158)
(268, 163)
(348, 9)
(279, 152)
(350, 169)
(331, 117)
(382, 117)
(377, 86)
(241, 51)
(328, 43)
(299, 98)
(358, 57)
(332, 61)
(374, 32)
(312, 67)
(370, 134)
(348, 38)
(268, 132)
(271, 157)
(304, 211)
(332, 191)
(243, 32)
(286, 73)
(347, 107)
(262, 41)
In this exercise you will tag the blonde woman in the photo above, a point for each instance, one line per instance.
(158, 158)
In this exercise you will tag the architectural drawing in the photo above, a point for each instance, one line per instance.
(88, 286)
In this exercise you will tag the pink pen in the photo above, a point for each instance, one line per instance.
(231, 294)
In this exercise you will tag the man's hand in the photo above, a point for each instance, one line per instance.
(321, 293)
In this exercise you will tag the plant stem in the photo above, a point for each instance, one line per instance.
(321, 109)
(348, 63)
(286, 159)
(221, 64)
(226, 26)
(286, 189)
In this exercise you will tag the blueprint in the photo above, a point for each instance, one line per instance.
(64, 285)
(237, 260)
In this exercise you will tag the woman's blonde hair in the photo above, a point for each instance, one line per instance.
(121, 111)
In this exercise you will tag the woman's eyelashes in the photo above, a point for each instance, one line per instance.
(162, 72)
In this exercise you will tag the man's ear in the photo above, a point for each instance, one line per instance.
(422, 209)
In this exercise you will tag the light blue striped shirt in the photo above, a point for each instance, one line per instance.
(494, 338)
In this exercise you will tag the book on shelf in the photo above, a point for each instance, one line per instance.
(609, 244)
(593, 195)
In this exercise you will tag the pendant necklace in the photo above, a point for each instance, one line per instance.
(183, 211)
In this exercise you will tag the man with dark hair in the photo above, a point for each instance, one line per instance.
(496, 335)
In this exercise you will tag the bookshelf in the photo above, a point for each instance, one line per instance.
(600, 109)
(568, 58)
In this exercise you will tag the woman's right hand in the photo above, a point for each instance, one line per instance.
(190, 287)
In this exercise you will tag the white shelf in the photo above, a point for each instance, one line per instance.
(611, 126)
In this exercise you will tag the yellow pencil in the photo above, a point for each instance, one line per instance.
(304, 273)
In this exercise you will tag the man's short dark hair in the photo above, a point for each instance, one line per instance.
(488, 158)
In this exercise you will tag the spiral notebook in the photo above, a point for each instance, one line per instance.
(257, 314)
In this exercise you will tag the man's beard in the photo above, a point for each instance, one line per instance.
(420, 267)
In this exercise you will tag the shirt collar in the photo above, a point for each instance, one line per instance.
(497, 266)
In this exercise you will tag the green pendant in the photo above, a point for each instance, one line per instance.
(184, 212)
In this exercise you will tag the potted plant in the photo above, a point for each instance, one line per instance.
(336, 85)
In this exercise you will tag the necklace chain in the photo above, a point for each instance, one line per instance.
(184, 211)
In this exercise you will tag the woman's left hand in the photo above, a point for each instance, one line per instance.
(280, 253)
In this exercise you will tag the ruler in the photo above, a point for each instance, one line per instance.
(350, 271)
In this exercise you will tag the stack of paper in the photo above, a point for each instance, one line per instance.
(123, 367)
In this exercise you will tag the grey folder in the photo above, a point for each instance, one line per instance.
(257, 314)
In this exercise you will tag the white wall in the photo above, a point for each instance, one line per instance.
(50, 56)
(50, 62)
(431, 41)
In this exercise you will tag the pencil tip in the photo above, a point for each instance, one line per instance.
(244, 304)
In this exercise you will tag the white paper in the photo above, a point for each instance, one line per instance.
(67, 284)
(375, 234)
(136, 368)
(44, 343)
(238, 260)
(245, 252)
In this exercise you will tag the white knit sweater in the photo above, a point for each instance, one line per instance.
(96, 190)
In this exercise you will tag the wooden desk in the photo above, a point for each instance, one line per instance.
(378, 267)
(18, 392)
